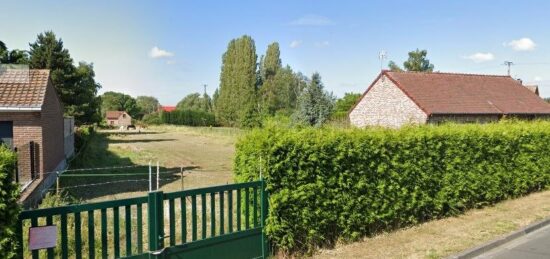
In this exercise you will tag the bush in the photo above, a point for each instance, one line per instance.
(151, 119)
(188, 117)
(9, 208)
(329, 184)
(82, 136)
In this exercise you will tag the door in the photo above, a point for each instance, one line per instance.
(6, 133)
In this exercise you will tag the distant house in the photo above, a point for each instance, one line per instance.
(118, 118)
(398, 98)
(32, 123)
(167, 108)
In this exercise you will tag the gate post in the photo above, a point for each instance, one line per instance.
(156, 223)
(264, 202)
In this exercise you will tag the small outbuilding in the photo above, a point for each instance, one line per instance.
(32, 123)
(118, 118)
(398, 98)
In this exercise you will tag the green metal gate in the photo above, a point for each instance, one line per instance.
(215, 222)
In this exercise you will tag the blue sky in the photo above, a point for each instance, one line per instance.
(171, 48)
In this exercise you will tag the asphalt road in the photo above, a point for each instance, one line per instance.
(531, 246)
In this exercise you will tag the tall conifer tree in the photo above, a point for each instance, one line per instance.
(237, 92)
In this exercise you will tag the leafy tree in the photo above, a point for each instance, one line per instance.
(113, 101)
(14, 56)
(271, 64)
(394, 67)
(215, 97)
(345, 103)
(315, 104)
(75, 86)
(86, 104)
(417, 62)
(547, 99)
(237, 92)
(147, 104)
(195, 102)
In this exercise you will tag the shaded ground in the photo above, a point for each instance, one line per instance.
(204, 154)
(442, 238)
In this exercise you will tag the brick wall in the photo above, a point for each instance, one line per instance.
(386, 105)
(52, 130)
(26, 128)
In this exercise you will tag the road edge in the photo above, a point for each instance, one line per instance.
(478, 250)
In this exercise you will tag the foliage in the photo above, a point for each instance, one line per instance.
(147, 105)
(196, 102)
(237, 92)
(113, 101)
(417, 62)
(314, 104)
(75, 86)
(85, 104)
(152, 119)
(188, 117)
(9, 208)
(329, 184)
(345, 103)
(14, 56)
(547, 99)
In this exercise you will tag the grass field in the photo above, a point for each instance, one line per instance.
(205, 155)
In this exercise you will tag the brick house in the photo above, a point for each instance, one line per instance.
(398, 98)
(31, 122)
(118, 118)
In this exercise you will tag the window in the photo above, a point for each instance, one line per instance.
(6, 133)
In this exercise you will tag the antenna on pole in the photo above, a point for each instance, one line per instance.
(508, 64)
(382, 56)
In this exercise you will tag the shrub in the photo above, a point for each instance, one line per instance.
(188, 117)
(9, 208)
(329, 184)
(152, 119)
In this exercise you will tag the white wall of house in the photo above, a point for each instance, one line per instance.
(386, 105)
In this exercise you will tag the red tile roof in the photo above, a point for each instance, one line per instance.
(113, 115)
(23, 88)
(450, 93)
(168, 108)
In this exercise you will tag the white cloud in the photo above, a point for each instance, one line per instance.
(523, 44)
(156, 52)
(312, 20)
(170, 62)
(538, 78)
(322, 44)
(295, 43)
(480, 57)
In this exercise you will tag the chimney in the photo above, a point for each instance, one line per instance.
(520, 81)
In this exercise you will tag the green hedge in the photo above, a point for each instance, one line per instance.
(188, 117)
(9, 208)
(330, 184)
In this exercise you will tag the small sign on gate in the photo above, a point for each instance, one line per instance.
(42, 237)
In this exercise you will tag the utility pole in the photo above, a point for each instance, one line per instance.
(508, 64)
(204, 85)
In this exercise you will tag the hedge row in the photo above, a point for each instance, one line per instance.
(9, 208)
(188, 117)
(330, 184)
